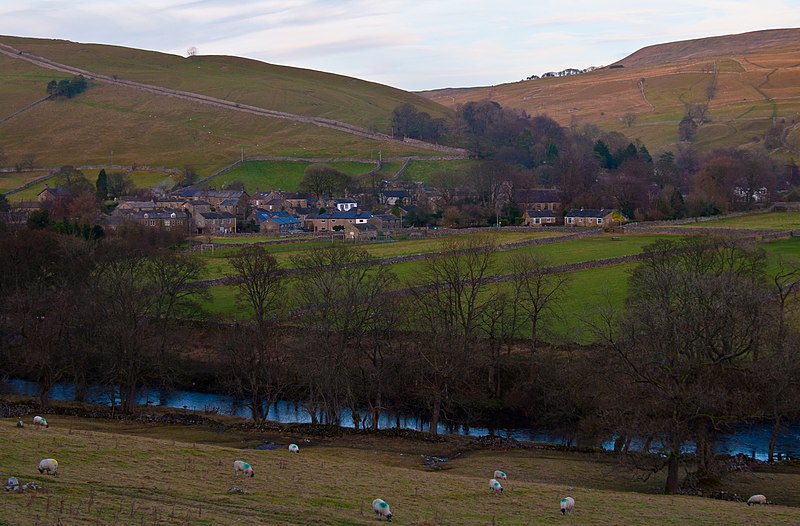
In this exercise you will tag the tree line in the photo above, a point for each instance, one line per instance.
(705, 339)
(595, 169)
(67, 87)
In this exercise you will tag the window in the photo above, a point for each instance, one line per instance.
(166, 222)
(599, 220)
(537, 220)
(570, 220)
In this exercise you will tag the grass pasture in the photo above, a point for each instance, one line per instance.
(279, 175)
(12, 180)
(117, 473)
(766, 221)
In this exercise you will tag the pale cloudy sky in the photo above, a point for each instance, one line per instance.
(410, 44)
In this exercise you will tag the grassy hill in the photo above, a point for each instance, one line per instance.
(755, 78)
(133, 473)
(117, 124)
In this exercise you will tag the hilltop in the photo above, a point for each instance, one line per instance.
(747, 81)
(149, 108)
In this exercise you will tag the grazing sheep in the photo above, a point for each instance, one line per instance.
(293, 448)
(495, 486)
(500, 475)
(20, 423)
(757, 499)
(381, 508)
(240, 466)
(39, 421)
(48, 464)
(567, 505)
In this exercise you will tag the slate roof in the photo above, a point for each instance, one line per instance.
(537, 195)
(396, 193)
(589, 212)
(541, 213)
(217, 215)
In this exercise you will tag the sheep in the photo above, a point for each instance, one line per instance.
(20, 423)
(495, 486)
(381, 508)
(500, 475)
(567, 505)
(48, 464)
(39, 422)
(757, 499)
(293, 448)
(240, 466)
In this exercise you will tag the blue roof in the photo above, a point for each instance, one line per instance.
(283, 220)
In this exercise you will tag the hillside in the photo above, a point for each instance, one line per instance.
(751, 78)
(139, 473)
(157, 109)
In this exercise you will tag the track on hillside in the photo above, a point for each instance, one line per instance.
(222, 103)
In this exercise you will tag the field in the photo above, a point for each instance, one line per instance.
(279, 175)
(587, 292)
(767, 221)
(111, 124)
(127, 473)
(754, 80)
(140, 178)
(12, 180)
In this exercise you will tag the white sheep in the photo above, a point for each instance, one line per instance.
(495, 486)
(381, 508)
(20, 423)
(48, 464)
(240, 466)
(500, 475)
(567, 505)
(757, 499)
(39, 422)
(294, 448)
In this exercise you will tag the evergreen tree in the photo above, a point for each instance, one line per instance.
(102, 185)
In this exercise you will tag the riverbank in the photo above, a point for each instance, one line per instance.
(138, 471)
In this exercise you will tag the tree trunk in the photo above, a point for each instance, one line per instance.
(437, 407)
(671, 485)
(776, 430)
(80, 388)
(376, 409)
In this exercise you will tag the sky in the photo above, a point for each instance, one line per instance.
(409, 44)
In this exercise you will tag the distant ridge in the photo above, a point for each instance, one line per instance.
(700, 48)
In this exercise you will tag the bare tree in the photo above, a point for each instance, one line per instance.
(448, 308)
(256, 365)
(697, 314)
(346, 315)
(538, 289)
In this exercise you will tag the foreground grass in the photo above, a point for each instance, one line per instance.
(116, 473)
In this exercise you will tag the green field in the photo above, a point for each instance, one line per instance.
(422, 171)
(588, 290)
(127, 473)
(140, 178)
(259, 176)
(766, 221)
(111, 124)
(10, 181)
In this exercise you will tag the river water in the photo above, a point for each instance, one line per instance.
(750, 440)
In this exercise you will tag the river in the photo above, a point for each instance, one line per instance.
(750, 440)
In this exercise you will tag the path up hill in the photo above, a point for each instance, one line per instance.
(151, 108)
